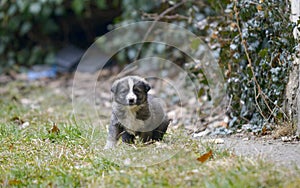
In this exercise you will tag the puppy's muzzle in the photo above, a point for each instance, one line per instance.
(131, 98)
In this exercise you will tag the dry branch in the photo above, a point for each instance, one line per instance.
(160, 16)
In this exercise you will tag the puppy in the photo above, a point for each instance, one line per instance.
(135, 112)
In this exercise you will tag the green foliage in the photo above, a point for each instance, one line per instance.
(262, 30)
(266, 37)
(30, 29)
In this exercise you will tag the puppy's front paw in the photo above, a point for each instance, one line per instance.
(109, 145)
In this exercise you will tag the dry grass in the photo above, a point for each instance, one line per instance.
(287, 129)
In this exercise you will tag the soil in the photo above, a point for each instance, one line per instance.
(282, 153)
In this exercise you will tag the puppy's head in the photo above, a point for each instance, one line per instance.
(130, 90)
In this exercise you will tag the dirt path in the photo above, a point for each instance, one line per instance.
(282, 153)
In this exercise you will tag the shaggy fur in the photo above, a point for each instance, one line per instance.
(135, 112)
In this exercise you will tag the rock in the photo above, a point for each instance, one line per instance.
(24, 125)
(214, 141)
(201, 134)
(217, 141)
(286, 139)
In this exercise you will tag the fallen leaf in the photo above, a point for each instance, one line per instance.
(14, 182)
(54, 129)
(11, 147)
(233, 25)
(214, 36)
(228, 71)
(205, 156)
(259, 7)
(224, 124)
(264, 131)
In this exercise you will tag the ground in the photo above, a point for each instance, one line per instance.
(50, 139)
(276, 151)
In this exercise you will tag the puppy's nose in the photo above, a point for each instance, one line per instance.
(131, 101)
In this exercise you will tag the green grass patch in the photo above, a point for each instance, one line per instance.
(73, 157)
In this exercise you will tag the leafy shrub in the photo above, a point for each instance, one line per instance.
(257, 56)
(252, 41)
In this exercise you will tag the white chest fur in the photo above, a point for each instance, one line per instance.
(131, 123)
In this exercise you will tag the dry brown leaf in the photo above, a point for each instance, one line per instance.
(264, 131)
(54, 129)
(14, 182)
(205, 156)
(224, 124)
(11, 147)
(214, 36)
(259, 7)
(228, 72)
(233, 25)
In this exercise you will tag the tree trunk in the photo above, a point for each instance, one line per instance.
(292, 90)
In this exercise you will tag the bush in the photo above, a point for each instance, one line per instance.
(254, 45)
(257, 57)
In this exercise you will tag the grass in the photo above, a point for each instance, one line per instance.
(73, 157)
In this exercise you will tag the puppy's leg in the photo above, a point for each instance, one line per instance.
(159, 132)
(127, 138)
(114, 133)
(145, 136)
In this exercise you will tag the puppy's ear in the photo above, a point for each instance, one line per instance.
(147, 86)
(114, 87)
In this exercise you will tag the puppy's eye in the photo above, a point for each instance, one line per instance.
(137, 90)
(123, 91)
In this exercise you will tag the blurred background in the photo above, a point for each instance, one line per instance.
(54, 119)
(252, 42)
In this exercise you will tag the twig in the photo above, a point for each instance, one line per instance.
(167, 17)
(260, 92)
(160, 16)
(260, 111)
(229, 104)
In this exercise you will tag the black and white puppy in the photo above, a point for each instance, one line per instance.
(135, 112)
